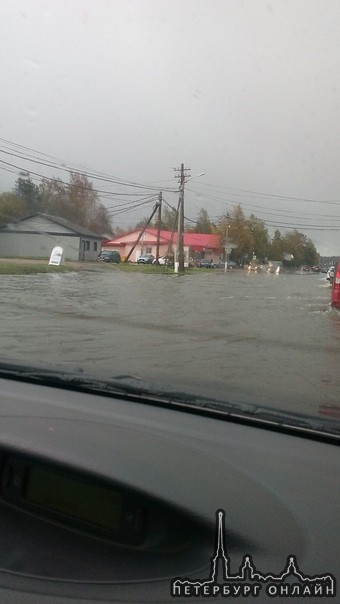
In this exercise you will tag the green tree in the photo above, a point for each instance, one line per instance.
(298, 249)
(312, 257)
(203, 222)
(260, 236)
(276, 247)
(142, 223)
(54, 199)
(168, 220)
(83, 200)
(76, 201)
(12, 207)
(235, 228)
(29, 192)
(223, 228)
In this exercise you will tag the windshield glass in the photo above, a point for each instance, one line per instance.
(203, 134)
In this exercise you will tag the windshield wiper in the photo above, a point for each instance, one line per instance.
(125, 386)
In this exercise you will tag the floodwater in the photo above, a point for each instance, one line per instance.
(266, 339)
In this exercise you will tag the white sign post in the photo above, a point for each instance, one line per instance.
(56, 256)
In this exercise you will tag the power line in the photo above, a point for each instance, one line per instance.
(123, 210)
(67, 184)
(61, 165)
(227, 202)
(273, 195)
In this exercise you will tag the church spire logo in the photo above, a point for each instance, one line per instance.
(291, 582)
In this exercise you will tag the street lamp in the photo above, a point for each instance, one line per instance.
(228, 249)
(179, 262)
(290, 257)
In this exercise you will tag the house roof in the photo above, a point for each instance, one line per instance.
(76, 228)
(206, 240)
(194, 240)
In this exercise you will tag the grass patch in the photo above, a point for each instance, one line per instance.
(149, 269)
(28, 267)
(13, 268)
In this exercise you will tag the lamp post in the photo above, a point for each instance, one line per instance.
(289, 257)
(179, 261)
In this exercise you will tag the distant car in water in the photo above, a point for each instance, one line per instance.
(335, 294)
(274, 266)
(109, 256)
(330, 274)
(145, 259)
(253, 266)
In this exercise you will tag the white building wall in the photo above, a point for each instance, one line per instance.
(30, 245)
(35, 237)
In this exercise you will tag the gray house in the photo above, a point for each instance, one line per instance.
(35, 236)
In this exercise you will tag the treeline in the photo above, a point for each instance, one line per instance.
(75, 201)
(78, 202)
(250, 237)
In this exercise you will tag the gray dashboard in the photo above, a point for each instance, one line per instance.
(166, 473)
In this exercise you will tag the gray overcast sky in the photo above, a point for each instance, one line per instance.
(247, 91)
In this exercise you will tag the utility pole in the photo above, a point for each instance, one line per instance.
(227, 244)
(179, 261)
(142, 232)
(159, 219)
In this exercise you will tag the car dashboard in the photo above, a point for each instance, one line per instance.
(108, 500)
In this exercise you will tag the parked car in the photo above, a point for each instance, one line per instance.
(109, 256)
(219, 264)
(205, 263)
(335, 294)
(145, 259)
(163, 260)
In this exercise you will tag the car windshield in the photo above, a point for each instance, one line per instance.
(203, 133)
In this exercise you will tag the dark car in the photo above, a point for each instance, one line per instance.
(109, 256)
(145, 259)
(205, 263)
(335, 294)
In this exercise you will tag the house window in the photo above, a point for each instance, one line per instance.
(148, 250)
(95, 246)
(87, 246)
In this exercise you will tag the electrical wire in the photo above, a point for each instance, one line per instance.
(273, 195)
(61, 165)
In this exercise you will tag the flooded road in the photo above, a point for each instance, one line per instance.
(267, 339)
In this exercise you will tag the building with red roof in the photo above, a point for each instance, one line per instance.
(196, 245)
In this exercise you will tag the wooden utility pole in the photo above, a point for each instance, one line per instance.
(159, 220)
(142, 232)
(179, 264)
